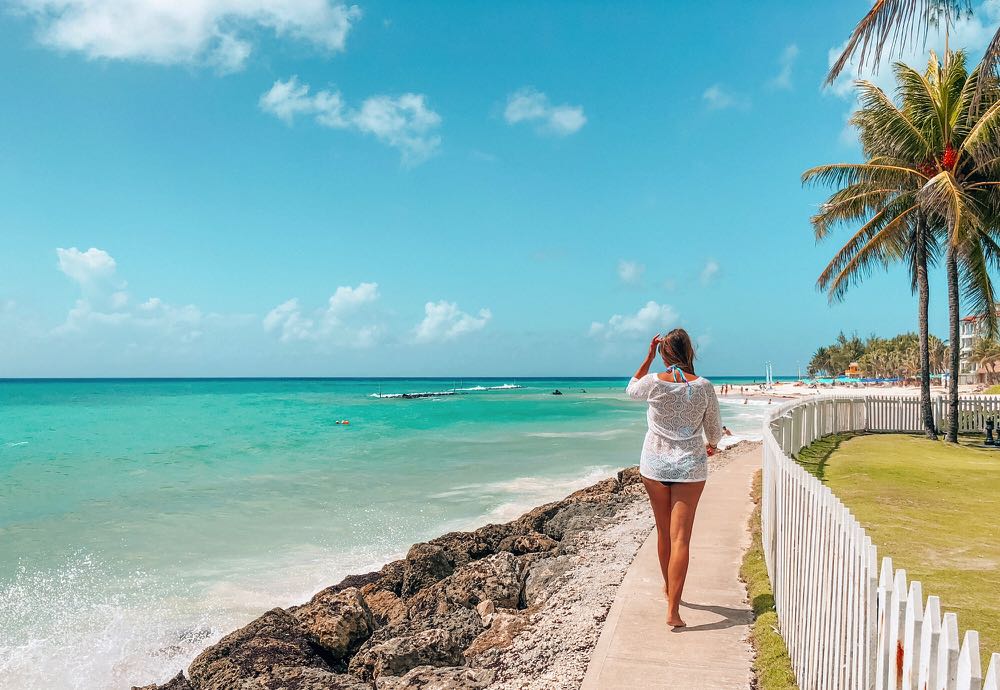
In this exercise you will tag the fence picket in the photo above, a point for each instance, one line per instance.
(884, 600)
(992, 679)
(970, 672)
(930, 637)
(911, 636)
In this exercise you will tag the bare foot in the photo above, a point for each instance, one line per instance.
(674, 621)
(665, 595)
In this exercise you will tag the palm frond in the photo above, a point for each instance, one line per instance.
(873, 243)
(887, 20)
(986, 130)
(884, 128)
(854, 203)
(841, 174)
(860, 264)
(945, 197)
(987, 69)
(977, 287)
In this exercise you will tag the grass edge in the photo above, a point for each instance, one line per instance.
(772, 668)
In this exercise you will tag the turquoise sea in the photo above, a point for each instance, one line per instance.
(140, 520)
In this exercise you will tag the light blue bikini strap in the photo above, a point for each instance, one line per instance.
(678, 376)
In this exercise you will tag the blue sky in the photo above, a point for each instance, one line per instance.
(393, 188)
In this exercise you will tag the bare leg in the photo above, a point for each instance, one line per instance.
(659, 500)
(684, 499)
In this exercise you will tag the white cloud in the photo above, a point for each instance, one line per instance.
(783, 79)
(92, 267)
(94, 271)
(530, 105)
(403, 122)
(718, 98)
(332, 324)
(287, 318)
(169, 32)
(630, 272)
(445, 321)
(650, 319)
(104, 303)
(349, 299)
(710, 270)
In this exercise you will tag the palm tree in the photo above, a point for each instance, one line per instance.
(938, 353)
(962, 185)
(820, 362)
(881, 195)
(986, 353)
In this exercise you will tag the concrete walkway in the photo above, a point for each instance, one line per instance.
(637, 649)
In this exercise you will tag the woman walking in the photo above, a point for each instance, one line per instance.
(674, 460)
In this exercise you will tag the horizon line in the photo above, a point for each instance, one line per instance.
(25, 379)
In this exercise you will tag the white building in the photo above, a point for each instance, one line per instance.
(970, 329)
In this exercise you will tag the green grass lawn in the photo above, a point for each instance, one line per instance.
(772, 667)
(933, 507)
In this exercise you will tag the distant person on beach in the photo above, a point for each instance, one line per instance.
(674, 459)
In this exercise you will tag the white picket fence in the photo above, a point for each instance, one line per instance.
(848, 624)
(895, 413)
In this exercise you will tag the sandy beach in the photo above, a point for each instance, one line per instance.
(783, 391)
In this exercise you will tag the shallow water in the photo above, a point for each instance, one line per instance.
(141, 520)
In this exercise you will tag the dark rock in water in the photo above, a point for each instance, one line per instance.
(258, 655)
(398, 655)
(533, 542)
(338, 621)
(425, 565)
(557, 392)
(436, 678)
(178, 682)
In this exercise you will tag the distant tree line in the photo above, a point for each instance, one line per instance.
(897, 357)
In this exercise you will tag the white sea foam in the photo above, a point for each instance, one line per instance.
(516, 496)
(86, 626)
(608, 433)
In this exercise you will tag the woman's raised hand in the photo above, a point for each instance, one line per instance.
(652, 345)
(644, 369)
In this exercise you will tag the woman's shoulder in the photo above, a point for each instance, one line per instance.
(647, 377)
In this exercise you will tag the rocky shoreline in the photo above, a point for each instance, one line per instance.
(515, 605)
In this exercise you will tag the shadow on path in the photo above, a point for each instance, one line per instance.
(729, 617)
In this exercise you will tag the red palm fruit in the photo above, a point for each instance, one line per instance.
(948, 159)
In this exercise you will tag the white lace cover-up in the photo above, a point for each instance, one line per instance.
(674, 449)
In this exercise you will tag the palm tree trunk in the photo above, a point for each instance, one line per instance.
(923, 293)
(956, 344)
